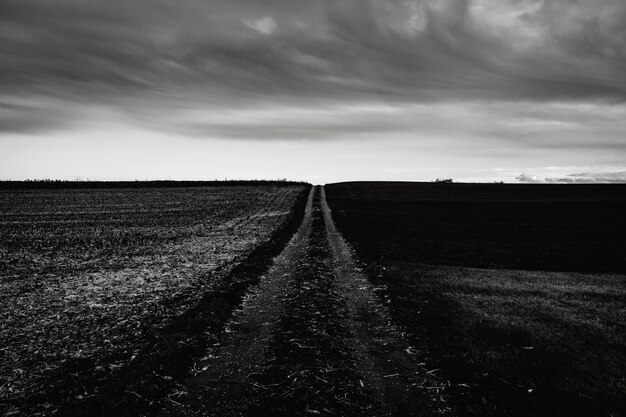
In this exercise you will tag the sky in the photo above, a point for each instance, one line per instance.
(314, 90)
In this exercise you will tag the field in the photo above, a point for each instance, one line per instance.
(278, 299)
(98, 285)
(557, 227)
(539, 329)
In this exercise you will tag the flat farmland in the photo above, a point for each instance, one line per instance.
(516, 294)
(90, 278)
(526, 226)
(354, 299)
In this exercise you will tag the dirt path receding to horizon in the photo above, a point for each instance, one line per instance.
(314, 337)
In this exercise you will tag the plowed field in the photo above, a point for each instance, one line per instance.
(87, 275)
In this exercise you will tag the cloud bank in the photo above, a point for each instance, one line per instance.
(579, 178)
(224, 51)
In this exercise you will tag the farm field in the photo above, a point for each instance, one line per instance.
(282, 299)
(539, 329)
(565, 227)
(91, 278)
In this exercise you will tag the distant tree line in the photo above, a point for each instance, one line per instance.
(58, 184)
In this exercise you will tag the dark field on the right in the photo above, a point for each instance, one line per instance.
(517, 292)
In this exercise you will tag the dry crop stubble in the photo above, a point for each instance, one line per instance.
(88, 274)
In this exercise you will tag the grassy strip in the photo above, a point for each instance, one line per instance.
(139, 387)
(517, 343)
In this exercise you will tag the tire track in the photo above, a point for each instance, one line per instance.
(312, 371)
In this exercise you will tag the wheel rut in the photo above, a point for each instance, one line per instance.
(312, 338)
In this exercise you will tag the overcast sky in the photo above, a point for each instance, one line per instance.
(319, 90)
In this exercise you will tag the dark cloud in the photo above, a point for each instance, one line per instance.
(33, 115)
(133, 54)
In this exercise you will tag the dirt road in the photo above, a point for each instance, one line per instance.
(314, 337)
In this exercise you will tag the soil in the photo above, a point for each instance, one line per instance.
(541, 227)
